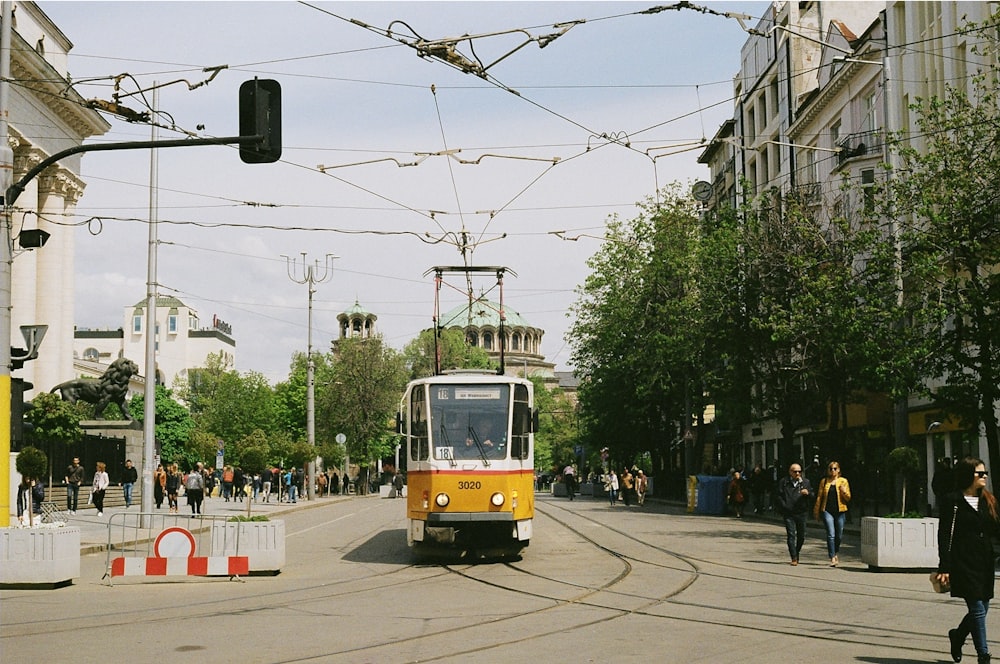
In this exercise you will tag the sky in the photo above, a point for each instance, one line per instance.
(553, 143)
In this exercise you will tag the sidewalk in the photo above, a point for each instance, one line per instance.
(94, 529)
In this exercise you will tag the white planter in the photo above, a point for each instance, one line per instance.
(387, 491)
(906, 543)
(41, 557)
(263, 542)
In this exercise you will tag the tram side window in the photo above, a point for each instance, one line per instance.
(419, 444)
(521, 425)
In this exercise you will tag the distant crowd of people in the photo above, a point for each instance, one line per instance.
(229, 482)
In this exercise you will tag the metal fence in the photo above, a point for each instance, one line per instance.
(158, 544)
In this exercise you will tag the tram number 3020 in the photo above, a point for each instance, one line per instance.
(470, 485)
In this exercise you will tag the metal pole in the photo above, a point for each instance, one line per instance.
(310, 397)
(149, 393)
(310, 277)
(901, 424)
(6, 258)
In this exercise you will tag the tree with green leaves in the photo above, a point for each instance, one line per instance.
(53, 422)
(638, 333)
(557, 433)
(455, 351)
(944, 193)
(227, 404)
(822, 311)
(368, 380)
(290, 396)
(173, 424)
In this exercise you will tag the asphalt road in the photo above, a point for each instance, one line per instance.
(597, 584)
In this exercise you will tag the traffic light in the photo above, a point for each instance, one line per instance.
(260, 115)
(18, 409)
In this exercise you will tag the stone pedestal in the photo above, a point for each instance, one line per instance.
(263, 542)
(39, 557)
(899, 543)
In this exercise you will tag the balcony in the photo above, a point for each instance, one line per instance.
(808, 193)
(861, 144)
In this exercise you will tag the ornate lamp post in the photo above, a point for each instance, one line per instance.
(311, 275)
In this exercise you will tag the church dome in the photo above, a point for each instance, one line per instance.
(483, 313)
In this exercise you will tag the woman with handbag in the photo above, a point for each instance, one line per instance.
(969, 521)
(831, 508)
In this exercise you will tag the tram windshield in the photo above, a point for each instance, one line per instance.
(469, 421)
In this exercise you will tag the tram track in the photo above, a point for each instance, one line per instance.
(741, 574)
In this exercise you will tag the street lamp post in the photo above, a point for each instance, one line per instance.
(311, 276)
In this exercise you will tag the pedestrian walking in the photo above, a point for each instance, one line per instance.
(129, 478)
(569, 479)
(628, 485)
(612, 486)
(832, 497)
(172, 484)
(159, 485)
(737, 494)
(794, 496)
(73, 479)
(100, 486)
(641, 485)
(758, 488)
(194, 488)
(969, 522)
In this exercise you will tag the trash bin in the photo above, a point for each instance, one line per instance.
(711, 495)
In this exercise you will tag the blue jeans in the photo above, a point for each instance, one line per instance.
(72, 496)
(795, 529)
(834, 531)
(613, 495)
(974, 623)
(127, 490)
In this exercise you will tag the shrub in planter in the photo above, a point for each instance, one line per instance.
(906, 461)
(32, 463)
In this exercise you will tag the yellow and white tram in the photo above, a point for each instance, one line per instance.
(470, 463)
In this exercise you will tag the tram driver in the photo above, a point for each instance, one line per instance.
(485, 431)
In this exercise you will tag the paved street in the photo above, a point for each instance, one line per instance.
(597, 584)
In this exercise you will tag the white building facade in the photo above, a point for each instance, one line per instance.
(46, 116)
(182, 342)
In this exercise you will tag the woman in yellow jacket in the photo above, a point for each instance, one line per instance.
(831, 508)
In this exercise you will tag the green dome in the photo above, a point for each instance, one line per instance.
(485, 313)
(356, 310)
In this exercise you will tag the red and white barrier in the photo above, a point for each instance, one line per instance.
(174, 549)
(190, 566)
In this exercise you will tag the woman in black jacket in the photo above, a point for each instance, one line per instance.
(965, 549)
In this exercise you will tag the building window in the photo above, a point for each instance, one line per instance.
(488, 340)
(868, 189)
(473, 339)
(835, 134)
(869, 110)
(172, 322)
(137, 323)
(91, 354)
(516, 342)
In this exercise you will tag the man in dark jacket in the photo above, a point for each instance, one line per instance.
(129, 478)
(795, 497)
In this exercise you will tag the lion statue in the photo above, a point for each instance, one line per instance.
(111, 388)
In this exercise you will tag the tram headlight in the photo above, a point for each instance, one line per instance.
(497, 499)
(513, 499)
(442, 500)
(425, 498)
